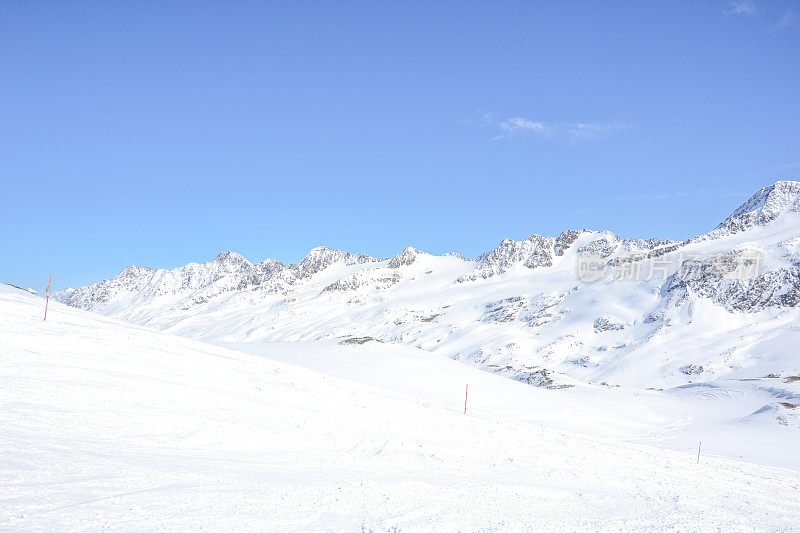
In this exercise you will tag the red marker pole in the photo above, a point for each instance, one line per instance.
(698, 452)
(47, 292)
(466, 394)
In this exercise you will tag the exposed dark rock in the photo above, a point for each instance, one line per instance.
(358, 340)
(406, 257)
(604, 324)
(691, 370)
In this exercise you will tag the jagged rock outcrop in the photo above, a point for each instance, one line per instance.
(606, 324)
(565, 240)
(406, 257)
(320, 258)
(602, 247)
(533, 252)
(763, 207)
(774, 289)
(363, 280)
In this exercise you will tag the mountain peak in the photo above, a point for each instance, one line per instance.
(322, 253)
(406, 257)
(320, 258)
(230, 258)
(764, 206)
(320, 250)
(532, 252)
(133, 271)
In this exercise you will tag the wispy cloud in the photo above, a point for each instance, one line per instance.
(741, 7)
(514, 126)
(615, 202)
(510, 128)
(769, 11)
(590, 131)
(789, 17)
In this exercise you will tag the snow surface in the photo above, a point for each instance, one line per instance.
(105, 424)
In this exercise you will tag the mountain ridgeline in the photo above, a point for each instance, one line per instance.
(584, 306)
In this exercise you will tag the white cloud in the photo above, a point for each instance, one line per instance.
(742, 7)
(748, 7)
(517, 125)
(581, 131)
(573, 131)
(616, 202)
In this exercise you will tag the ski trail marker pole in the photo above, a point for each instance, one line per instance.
(698, 452)
(466, 394)
(47, 293)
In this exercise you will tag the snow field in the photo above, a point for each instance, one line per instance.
(105, 424)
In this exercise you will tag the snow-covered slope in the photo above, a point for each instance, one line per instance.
(106, 424)
(585, 306)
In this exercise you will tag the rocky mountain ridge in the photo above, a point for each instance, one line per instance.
(526, 308)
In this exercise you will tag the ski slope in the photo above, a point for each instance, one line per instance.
(108, 424)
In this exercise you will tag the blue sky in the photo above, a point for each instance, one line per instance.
(159, 133)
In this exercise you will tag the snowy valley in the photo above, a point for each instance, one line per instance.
(330, 394)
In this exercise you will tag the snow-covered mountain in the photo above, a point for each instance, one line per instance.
(584, 306)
